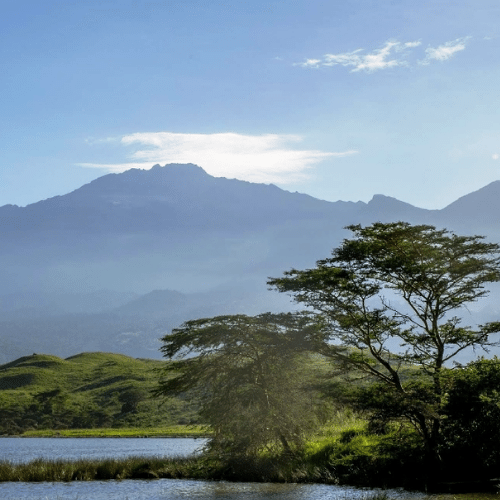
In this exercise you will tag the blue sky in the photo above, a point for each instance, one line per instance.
(338, 99)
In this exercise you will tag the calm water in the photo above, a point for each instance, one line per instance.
(170, 489)
(25, 449)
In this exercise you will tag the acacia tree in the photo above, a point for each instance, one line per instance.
(250, 376)
(393, 293)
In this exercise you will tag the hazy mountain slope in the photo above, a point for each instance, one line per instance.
(478, 212)
(203, 245)
(133, 329)
(169, 227)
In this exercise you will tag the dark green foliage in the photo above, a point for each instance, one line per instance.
(131, 399)
(252, 376)
(364, 459)
(471, 430)
(89, 390)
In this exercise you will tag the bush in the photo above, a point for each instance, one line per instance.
(471, 431)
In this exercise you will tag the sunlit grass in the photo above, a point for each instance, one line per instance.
(341, 422)
(170, 431)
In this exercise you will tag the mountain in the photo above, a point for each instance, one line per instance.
(479, 210)
(165, 198)
(116, 263)
(156, 229)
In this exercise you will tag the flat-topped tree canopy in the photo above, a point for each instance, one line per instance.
(253, 374)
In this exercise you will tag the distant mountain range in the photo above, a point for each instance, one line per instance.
(116, 263)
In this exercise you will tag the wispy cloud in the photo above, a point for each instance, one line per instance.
(445, 51)
(393, 53)
(101, 140)
(262, 158)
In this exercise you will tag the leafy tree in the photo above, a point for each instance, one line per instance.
(472, 409)
(390, 298)
(251, 374)
(131, 398)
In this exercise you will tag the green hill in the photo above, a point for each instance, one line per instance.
(89, 390)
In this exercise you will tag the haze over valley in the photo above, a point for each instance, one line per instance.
(117, 263)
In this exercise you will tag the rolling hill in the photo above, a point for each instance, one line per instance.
(84, 391)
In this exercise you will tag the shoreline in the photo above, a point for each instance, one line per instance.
(112, 436)
(178, 431)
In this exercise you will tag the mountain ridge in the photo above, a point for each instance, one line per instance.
(179, 243)
(164, 197)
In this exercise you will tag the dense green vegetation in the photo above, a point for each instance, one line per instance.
(86, 391)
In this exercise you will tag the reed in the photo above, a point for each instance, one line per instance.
(89, 470)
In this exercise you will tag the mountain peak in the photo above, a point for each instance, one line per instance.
(137, 182)
(168, 168)
(387, 202)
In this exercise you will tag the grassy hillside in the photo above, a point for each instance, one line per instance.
(88, 390)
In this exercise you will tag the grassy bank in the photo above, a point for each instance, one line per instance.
(143, 432)
(241, 469)
(90, 470)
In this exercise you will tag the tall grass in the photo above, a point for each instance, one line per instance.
(89, 470)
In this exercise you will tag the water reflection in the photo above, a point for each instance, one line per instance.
(168, 489)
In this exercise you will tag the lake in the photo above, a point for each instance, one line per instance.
(175, 489)
(27, 449)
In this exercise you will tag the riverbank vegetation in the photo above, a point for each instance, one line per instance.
(263, 470)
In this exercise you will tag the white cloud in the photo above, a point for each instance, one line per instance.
(310, 63)
(103, 140)
(445, 51)
(495, 156)
(266, 158)
(392, 54)
(412, 45)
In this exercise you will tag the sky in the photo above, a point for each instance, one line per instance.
(339, 99)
